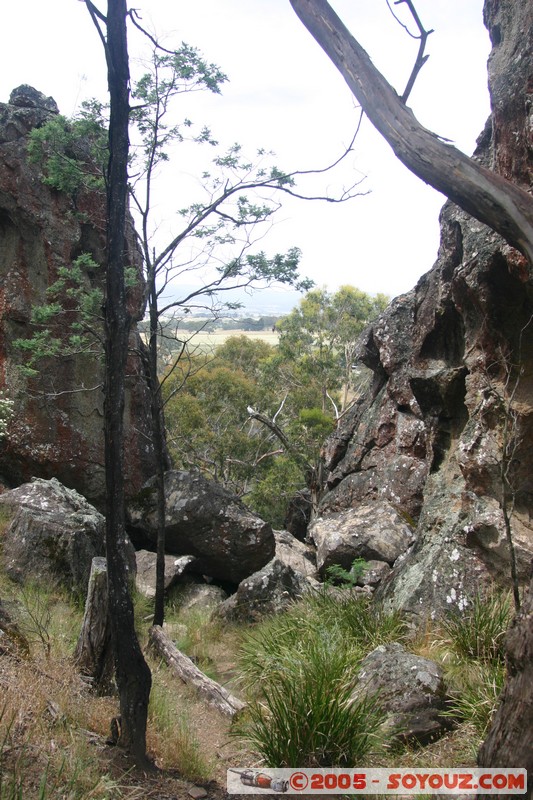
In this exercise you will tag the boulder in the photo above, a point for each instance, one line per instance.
(295, 554)
(409, 688)
(12, 641)
(372, 530)
(54, 535)
(264, 593)
(373, 573)
(201, 596)
(145, 579)
(228, 541)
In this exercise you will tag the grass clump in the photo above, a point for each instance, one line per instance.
(478, 632)
(176, 742)
(475, 658)
(305, 663)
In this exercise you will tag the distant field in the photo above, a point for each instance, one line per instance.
(208, 341)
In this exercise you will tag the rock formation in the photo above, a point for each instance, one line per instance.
(451, 406)
(56, 430)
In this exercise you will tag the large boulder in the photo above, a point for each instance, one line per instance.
(410, 689)
(56, 429)
(266, 592)
(54, 535)
(206, 521)
(371, 531)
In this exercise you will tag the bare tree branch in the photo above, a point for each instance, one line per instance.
(485, 195)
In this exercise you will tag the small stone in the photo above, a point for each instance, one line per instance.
(197, 792)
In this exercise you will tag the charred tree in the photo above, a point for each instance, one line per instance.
(131, 671)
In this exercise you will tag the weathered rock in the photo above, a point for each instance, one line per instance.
(373, 573)
(298, 514)
(56, 430)
(145, 579)
(54, 535)
(264, 593)
(206, 521)
(372, 530)
(297, 555)
(201, 596)
(452, 362)
(410, 689)
(12, 640)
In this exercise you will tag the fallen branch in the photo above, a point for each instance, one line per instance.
(185, 669)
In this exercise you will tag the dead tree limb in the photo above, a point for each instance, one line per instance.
(182, 666)
(485, 195)
(93, 655)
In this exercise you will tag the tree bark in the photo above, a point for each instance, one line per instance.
(94, 654)
(509, 740)
(132, 673)
(485, 195)
(183, 667)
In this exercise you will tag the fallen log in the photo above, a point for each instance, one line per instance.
(188, 672)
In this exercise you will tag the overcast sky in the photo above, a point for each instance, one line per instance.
(284, 95)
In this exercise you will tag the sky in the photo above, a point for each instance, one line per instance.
(284, 94)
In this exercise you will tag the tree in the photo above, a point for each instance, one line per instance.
(505, 208)
(320, 335)
(240, 196)
(132, 673)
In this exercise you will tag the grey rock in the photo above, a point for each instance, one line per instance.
(301, 557)
(201, 596)
(264, 593)
(145, 579)
(373, 573)
(54, 535)
(372, 530)
(410, 689)
(228, 541)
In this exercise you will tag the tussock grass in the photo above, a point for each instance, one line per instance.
(302, 666)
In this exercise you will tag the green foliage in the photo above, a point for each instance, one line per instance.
(478, 632)
(274, 488)
(70, 323)
(307, 716)
(337, 575)
(71, 153)
(302, 666)
(477, 661)
(476, 694)
(318, 337)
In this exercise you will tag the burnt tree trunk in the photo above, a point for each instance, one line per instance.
(132, 673)
(94, 655)
(509, 742)
(487, 196)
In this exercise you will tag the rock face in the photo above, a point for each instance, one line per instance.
(56, 431)
(54, 535)
(453, 375)
(206, 521)
(410, 689)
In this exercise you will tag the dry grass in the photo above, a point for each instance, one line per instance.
(53, 731)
